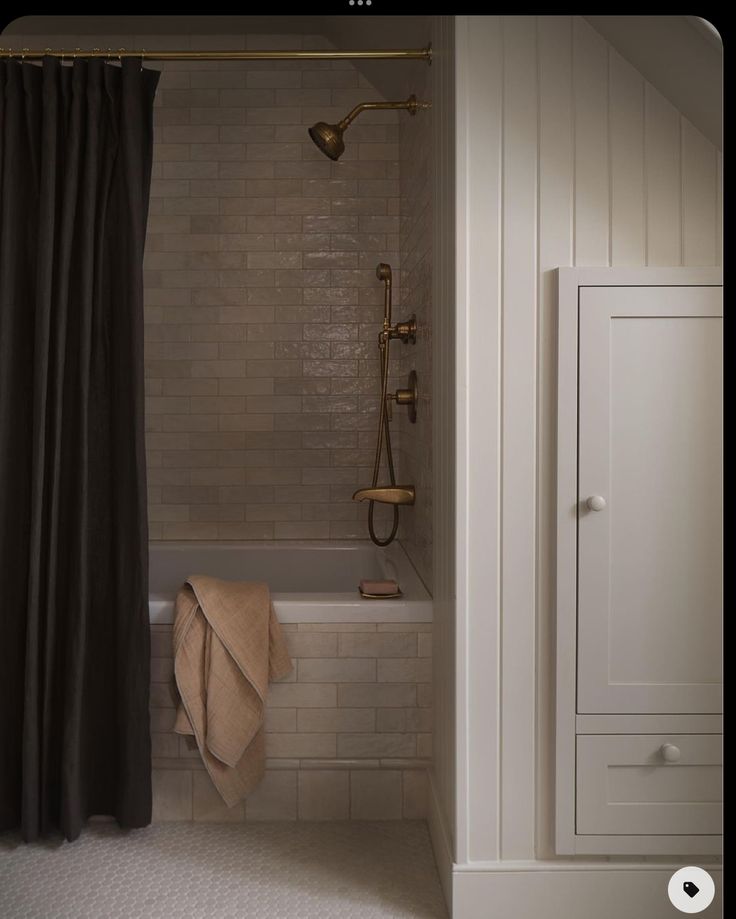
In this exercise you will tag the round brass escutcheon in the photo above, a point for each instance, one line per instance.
(410, 397)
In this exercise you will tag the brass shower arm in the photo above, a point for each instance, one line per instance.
(411, 105)
(328, 137)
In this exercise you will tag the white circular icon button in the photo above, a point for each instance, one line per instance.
(691, 890)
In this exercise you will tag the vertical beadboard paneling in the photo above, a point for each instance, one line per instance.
(699, 204)
(609, 192)
(555, 248)
(626, 143)
(590, 87)
(479, 303)
(663, 184)
(518, 495)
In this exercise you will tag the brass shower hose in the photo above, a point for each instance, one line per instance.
(383, 272)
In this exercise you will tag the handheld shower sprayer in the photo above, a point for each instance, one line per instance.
(392, 494)
(383, 272)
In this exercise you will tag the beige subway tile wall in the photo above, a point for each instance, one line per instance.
(354, 745)
(415, 244)
(262, 305)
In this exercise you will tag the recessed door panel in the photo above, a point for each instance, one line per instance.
(649, 784)
(650, 504)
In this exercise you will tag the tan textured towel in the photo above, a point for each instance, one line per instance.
(227, 644)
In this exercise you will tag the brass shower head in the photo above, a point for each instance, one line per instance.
(328, 137)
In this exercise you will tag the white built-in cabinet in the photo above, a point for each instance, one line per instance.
(639, 561)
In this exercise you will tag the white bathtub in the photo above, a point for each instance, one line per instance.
(310, 581)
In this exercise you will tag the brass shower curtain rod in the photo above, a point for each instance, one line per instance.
(394, 54)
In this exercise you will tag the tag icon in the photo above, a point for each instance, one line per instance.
(691, 890)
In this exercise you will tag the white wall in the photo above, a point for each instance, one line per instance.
(566, 156)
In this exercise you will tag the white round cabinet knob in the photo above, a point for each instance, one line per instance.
(596, 503)
(670, 753)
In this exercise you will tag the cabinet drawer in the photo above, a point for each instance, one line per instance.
(652, 784)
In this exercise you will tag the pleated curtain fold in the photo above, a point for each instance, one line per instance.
(75, 168)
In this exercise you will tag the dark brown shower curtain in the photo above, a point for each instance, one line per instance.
(75, 169)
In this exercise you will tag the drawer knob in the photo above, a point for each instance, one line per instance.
(670, 753)
(596, 503)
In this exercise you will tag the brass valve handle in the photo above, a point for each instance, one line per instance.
(406, 331)
(408, 397)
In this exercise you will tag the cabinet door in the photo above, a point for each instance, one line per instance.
(649, 499)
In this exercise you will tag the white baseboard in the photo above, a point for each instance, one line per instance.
(564, 889)
(602, 892)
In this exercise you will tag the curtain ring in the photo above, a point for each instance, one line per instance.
(120, 56)
(143, 51)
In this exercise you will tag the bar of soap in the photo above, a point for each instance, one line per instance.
(379, 587)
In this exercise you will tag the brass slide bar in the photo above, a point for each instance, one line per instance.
(396, 54)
